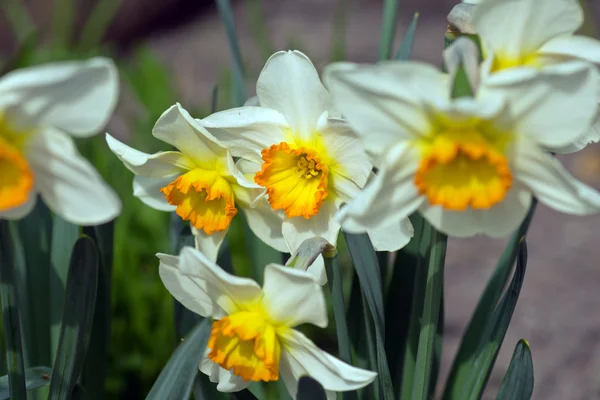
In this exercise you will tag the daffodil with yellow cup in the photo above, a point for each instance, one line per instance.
(253, 337)
(41, 107)
(470, 165)
(199, 181)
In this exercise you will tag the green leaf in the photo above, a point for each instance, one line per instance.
(461, 86)
(431, 314)
(388, 29)
(96, 363)
(367, 268)
(309, 389)
(239, 87)
(34, 242)
(243, 395)
(10, 315)
(177, 377)
(18, 17)
(64, 236)
(462, 366)
(518, 381)
(78, 314)
(35, 378)
(405, 49)
(98, 22)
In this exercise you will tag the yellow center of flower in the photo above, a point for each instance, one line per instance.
(295, 178)
(464, 168)
(502, 61)
(204, 198)
(247, 342)
(16, 176)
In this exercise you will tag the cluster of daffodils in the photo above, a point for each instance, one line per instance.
(363, 152)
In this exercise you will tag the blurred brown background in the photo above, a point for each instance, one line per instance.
(558, 308)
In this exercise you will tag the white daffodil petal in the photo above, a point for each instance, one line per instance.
(556, 108)
(297, 229)
(591, 136)
(176, 127)
(303, 357)
(226, 380)
(240, 176)
(383, 102)
(575, 46)
(300, 301)
(246, 131)
(290, 84)
(389, 198)
(22, 210)
(68, 183)
(391, 237)
(188, 290)
(345, 148)
(226, 290)
(552, 184)
(150, 165)
(498, 221)
(266, 224)
(148, 191)
(516, 27)
(75, 97)
(209, 245)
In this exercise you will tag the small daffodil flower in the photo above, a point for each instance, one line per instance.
(538, 35)
(253, 337)
(40, 108)
(301, 151)
(469, 165)
(199, 181)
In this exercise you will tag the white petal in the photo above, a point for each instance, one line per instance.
(150, 165)
(555, 108)
(188, 290)
(176, 127)
(384, 103)
(290, 84)
(148, 191)
(498, 221)
(345, 148)
(517, 27)
(76, 97)
(209, 245)
(552, 184)
(391, 237)
(252, 102)
(22, 210)
(228, 292)
(463, 52)
(266, 224)
(591, 136)
(389, 198)
(292, 297)
(297, 229)
(246, 131)
(575, 46)
(301, 357)
(68, 183)
(227, 380)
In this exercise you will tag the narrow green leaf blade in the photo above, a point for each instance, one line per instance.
(461, 86)
(463, 363)
(367, 268)
(78, 314)
(177, 377)
(96, 363)
(518, 381)
(405, 49)
(388, 29)
(35, 378)
(431, 315)
(495, 331)
(10, 315)
(309, 389)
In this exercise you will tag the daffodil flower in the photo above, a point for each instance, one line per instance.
(469, 165)
(253, 337)
(39, 108)
(301, 151)
(200, 182)
(534, 34)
